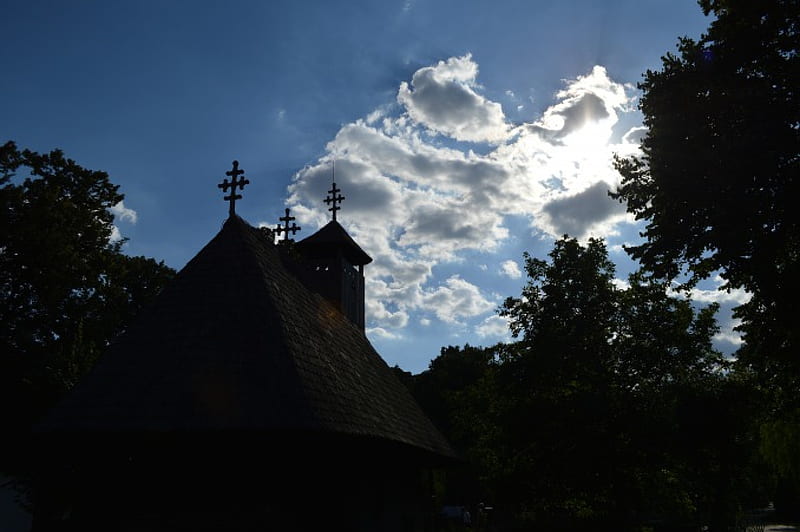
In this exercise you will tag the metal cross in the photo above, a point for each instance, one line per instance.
(285, 228)
(234, 174)
(333, 198)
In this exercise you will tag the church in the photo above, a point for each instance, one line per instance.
(246, 397)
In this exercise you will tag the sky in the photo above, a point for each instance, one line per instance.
(464, 133)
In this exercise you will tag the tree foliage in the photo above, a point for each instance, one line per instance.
(66, 289)
(612, 409)
(718, 176)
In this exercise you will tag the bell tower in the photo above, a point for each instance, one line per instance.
(333, 264)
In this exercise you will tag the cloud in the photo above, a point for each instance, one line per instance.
(115, 236)
(577, 215)
(737, 296)
(456, 299)
(443, 98)
(415, 201)
(621, 284)
(123, 213)
(727, 300)
(614, 95)
(510, 269)
(729, 336)
(727, 339)
(715, 294)
(593, 99)
(380, 332)
(581, 110)
(619, 248)
(494, 327)
(634, 135)
(394, 319)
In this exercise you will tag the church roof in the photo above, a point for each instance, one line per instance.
(236, 342)
(331, 237)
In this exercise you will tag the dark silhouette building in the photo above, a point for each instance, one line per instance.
(333, 266)
(247, 397)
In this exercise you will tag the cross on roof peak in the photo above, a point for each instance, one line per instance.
(334, 198)
(285, 228)
(234, 174)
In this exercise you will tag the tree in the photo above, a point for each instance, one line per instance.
(718, 176)
(441, 391)
(453, 371)
(559, 378)
(612, 409)
(585, 421)
(66, 289)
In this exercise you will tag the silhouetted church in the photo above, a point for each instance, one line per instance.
(247, 397)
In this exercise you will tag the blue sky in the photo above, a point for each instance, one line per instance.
(464, 132)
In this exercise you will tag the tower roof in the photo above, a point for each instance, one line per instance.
(236, 342)
(330, 238)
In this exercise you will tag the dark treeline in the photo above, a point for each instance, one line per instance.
(611, 409)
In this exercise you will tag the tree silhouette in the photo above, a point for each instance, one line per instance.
(612, 409)
(67, 289)
(716, 185)
(717, 178)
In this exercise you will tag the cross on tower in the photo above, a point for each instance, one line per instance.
(285, 228)
(333, 198)
(234, 174)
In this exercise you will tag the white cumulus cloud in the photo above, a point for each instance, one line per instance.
(415, 201)
(729, 336)
(737, 296)
(510, 269)
(115, 236)
(444, 98)
(494, 327)
(124, 213)
(456, 299)
(715, 294)
(580, 213)
(380, 332)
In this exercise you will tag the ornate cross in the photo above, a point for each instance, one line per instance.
(285, 228)
(234, 174)
(333, 198)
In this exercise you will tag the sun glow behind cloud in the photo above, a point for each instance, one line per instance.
(590, 139)
(438, 175)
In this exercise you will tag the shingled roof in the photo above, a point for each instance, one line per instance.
(237, 342)
(331, 237)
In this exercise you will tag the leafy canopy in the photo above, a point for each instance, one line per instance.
(717, 180)
(594, 416)
(66, 289)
